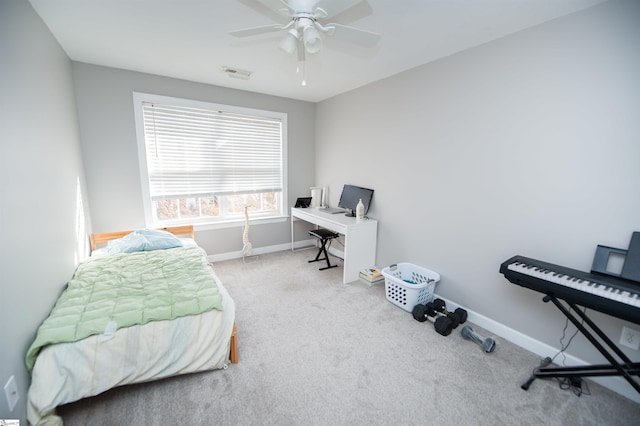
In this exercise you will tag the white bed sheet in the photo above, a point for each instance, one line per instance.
(68, 372)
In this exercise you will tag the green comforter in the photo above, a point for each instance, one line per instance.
(129, 289)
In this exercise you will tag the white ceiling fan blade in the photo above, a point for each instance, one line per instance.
(335, 7)
(279, 6)
(256, 30)
(353, 35)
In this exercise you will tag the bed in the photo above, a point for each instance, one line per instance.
(144, 306)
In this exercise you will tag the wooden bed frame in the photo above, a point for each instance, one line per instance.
(98, 239)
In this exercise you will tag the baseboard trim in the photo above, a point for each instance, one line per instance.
(260, 250)
(616, 384)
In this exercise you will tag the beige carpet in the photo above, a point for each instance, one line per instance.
(316, 352)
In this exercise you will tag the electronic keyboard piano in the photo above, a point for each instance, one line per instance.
(611, 295)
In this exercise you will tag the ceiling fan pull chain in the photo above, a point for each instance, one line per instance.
(301, 70)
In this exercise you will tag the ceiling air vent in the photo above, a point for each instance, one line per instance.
(236, 73)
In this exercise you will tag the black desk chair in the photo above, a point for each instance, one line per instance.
(324, 235)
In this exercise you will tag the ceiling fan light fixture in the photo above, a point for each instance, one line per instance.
(304, 32)
(290, 41)
(312, 39)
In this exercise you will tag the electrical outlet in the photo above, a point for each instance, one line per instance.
(11, 392)
(630, 338)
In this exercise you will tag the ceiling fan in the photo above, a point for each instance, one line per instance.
(303, 32)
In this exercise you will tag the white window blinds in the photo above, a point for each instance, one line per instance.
(200, 152)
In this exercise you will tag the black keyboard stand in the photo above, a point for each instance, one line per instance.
(622, 367)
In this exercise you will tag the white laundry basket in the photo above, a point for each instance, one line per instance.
(408, 285)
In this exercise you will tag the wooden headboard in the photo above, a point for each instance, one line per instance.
(97, 239)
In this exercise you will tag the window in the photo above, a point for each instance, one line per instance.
(202, 162)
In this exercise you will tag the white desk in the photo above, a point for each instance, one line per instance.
(359, 238)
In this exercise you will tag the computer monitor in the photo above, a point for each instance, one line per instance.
(350, 197)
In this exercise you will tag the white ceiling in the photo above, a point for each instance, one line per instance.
(188, 39)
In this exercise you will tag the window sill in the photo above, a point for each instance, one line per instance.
(237, 223)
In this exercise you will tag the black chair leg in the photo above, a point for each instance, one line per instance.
(323, 250)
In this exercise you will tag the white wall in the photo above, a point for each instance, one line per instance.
(107, 128)
(42, 186)
(526, 145)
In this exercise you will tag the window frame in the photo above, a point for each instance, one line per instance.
(139, 98)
